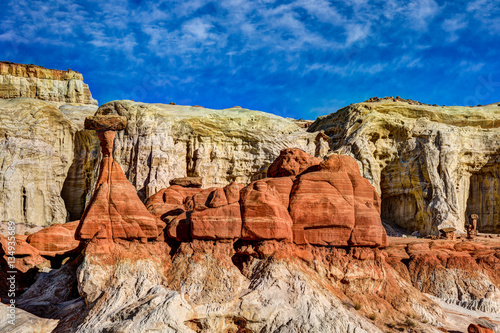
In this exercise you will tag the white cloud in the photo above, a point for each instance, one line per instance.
(453, 25)
(421, 13)
(487, 12)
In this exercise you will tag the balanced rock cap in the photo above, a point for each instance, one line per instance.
(106, 123)
(187, 182)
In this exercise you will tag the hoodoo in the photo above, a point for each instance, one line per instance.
(115, 210)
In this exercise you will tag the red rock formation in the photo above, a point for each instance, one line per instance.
(336, 206)
(292, 162)
(322, 208)
(264, 215)
(26, 256)
(115, 211)
(216, 213)
(56, 239)
(329, 203)
(169, 203)
(473, 328)
(187, 182)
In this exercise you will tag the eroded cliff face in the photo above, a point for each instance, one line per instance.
(431, 165)
(18, 80)
(36, 152)
(163, 142)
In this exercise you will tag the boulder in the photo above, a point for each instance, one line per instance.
(473, 328)
(217, 213)
(263, 213)
(335, 206)
(55, 240)
(105, 123)
(169, 202)
(292, 162)
(26, 256)
(187, 182)
(322, 208)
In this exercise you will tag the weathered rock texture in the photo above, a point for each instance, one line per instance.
(59, 166)
(163, 142)
(18, 80)
(320, 202)
(431, 165)
(58, 239)
(115, 211)
(37, 151)
(465, 273)
(211, 282)
(336, 206)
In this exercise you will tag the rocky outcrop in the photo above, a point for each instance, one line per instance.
(163, 142)
(465, 273)
(336, 206)
(333, 206)
(292, 162)
(25, 256)
(432, 165)
(213, 282)
(30, 81)
(36, 153)
(115, 211)
(50, 161)
(58, 239)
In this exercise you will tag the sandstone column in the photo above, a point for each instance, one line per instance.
(115, 211)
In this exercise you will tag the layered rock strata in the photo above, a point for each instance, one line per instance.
(219, 283)
(37, 152)
(115, 211)
(321, 202)
(164, 142)
(432, 165)
(50, 162)
(464, 273)
(30, 81)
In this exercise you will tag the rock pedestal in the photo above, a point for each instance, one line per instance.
(115, 211)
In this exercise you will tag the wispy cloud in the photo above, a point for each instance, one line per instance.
(256, 53)
(453, 25)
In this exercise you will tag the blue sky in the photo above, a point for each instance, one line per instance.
(298, 58)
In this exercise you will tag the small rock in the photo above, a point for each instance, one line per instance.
(187, 182)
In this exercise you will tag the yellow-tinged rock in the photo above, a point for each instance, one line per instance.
(432, 165)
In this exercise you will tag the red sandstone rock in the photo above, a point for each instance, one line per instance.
(292, 162)
(116, 208)
(340, 163)
(218, 198)
(232, 192)
(473, 328)
(264, 215)
(115, 211)
(283, 186)
(217, 213)
(180, 228)
(322, 208)
(336, 206)
(368, 229)
(223, 222)
(169, 202)
(26, 256)
(56, 239)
